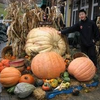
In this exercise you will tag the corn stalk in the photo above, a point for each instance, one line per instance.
(23, 19)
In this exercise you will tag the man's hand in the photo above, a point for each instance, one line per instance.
(59, 32)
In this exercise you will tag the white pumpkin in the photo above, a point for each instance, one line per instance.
(45, 39)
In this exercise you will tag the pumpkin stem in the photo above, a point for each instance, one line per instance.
(26, 77)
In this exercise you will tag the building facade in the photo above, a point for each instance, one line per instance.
(92, 8)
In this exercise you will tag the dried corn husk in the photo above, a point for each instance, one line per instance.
(23, 19)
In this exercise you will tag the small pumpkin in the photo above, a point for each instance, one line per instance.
(82, 69)
(54, 83)
(28, 68)
(9, 76)
(46, 86)
(48, 65)
(27, 78)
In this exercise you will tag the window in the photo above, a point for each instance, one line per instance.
(75, 4)
(95, 12)
(94, 9)
(84, 3)
(73, 17)
(74, 12)
(95, 1)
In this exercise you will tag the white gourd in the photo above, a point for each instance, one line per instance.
(45, 39)
(23, 90)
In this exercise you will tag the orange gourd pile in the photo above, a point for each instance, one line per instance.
(48, 65)
(4, 63)
(82, 69)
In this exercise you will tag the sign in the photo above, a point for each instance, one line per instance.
(45, 23)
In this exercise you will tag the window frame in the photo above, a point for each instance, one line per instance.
(73, 21)
(93, 5)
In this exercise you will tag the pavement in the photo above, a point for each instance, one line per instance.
(2, 45)
(92, 95)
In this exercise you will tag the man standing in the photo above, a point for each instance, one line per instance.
(89, 35)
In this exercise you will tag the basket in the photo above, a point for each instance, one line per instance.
(5, 50)
(18, 63)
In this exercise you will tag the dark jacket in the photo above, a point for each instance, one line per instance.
(88, 31)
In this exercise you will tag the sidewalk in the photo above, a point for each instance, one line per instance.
(2, 45)
(93, 95)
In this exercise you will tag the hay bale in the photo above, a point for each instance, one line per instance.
(39, 94)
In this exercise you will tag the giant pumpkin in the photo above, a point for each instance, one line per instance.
(44, 39)
(82, 69)
(48, 65)
(9, 76)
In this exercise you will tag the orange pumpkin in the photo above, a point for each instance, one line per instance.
(28, 68)
(27, 78)
(82, 69)
(48, 65)
(9, 76)
(1, 68)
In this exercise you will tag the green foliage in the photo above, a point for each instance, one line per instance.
(2, 8)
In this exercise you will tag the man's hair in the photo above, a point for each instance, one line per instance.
(82, 10)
